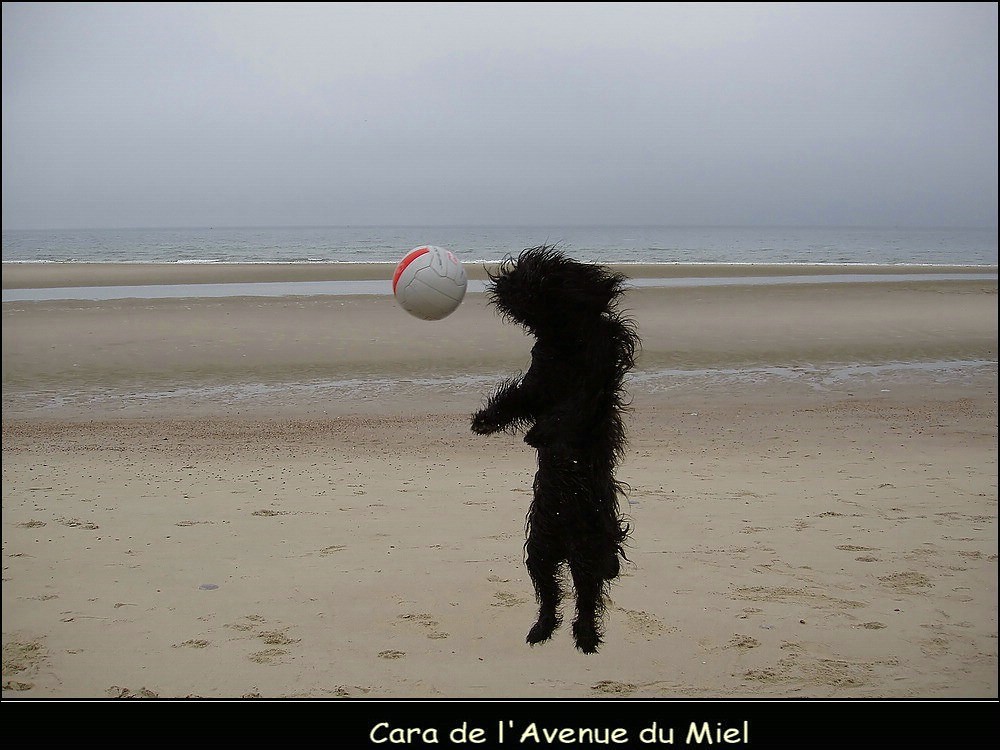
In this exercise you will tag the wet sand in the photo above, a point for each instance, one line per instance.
(47, 275)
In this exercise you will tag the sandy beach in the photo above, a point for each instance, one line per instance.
(280, 497)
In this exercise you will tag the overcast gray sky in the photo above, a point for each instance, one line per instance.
(232, 114)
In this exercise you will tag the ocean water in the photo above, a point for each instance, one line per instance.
(605, 244)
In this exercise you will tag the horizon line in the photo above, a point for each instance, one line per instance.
(499, 226)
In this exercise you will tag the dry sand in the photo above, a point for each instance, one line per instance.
(280, 497)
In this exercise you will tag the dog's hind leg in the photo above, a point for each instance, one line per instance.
(544, 549)
(543, 568)
(588, 580)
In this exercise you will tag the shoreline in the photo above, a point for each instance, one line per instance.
(54, 275)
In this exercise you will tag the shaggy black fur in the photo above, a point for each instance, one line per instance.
(571, 401)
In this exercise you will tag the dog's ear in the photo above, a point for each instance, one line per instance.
(599, 287)
(584, 287)
(543, 287)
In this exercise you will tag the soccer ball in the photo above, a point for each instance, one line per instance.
(429, 282)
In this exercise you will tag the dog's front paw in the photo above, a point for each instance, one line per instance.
(533, 438)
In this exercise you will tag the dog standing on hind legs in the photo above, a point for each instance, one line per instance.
(571, 403)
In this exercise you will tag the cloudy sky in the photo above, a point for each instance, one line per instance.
(232, 114)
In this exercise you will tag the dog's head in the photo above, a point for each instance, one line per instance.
(542, 288)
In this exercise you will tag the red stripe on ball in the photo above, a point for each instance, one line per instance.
(410, 257)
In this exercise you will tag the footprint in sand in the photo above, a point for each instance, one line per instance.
(738, 642)
(613, 687)
(504, 599)
(349, 691)
(765, 674)
(252, 622)
(972, 555)
(277, 638)
(644, 624)
(906, 582)
(837, 673)
(269, 656)
(116, 691)
(22, 658)
(425, 621)
(270, 636)
(798, 667)
(743, 642)
(747, 611)
(193, 643)
(76, 523)
(788, 595)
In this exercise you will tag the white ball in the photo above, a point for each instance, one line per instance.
(429, 282)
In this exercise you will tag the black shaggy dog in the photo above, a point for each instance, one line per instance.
(571, 401)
